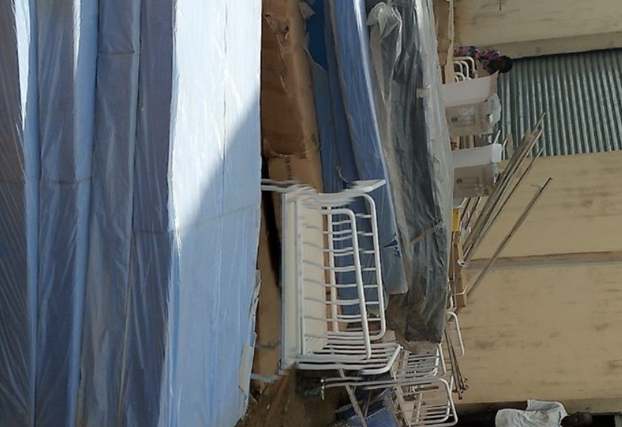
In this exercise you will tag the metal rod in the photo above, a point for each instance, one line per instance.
(519, 182)
(466, 209)
(527, 142)
(354, 401)
(473, 249)
(456, 372)
(501, 187)
(530, 139)
(472, 213)
(497, 136)
(509, 236)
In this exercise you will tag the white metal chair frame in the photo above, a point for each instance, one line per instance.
(426, 404)
(422, 384)
(422, 394)
(408, 368)
(467, 68)
(318, 229)
(453, 326)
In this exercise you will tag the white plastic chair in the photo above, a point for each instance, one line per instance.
(408, 368)
(422, 392)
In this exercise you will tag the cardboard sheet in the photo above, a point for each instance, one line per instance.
(287, 109)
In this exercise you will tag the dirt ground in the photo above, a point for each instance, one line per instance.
(283, 404)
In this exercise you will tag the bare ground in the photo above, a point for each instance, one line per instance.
(283, 404)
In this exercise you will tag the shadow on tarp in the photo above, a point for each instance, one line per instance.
(169, 228)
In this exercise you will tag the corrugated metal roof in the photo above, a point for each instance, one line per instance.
(581, 93)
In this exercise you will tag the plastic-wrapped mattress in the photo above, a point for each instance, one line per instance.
(380, 116)
(349, 137)
(418, 155)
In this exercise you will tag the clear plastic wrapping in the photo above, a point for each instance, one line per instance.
(418, 156)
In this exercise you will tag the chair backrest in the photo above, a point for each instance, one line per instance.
(331, 280)
(426, 404)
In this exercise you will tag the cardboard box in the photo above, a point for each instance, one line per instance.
(476, 181)
(268, 327)
(469, 92)
(288, 119)
(295, 168)
(492, 153)
(304, 170)
(466, 120)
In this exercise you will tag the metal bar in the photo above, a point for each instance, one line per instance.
(354, 401)
(508, 238)
(530, 139)
(472, 213)
(473, 249)
(456, 373)
(551, 260)
(506, 177)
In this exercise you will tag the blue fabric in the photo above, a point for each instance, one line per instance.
(378, 407)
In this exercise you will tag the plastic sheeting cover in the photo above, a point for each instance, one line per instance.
(418, 155)
(380, 112)
(350, 142)
(129, 210)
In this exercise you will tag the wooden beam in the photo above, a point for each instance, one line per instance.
(550, 260)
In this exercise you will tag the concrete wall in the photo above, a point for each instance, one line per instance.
(553, 331)
(535, 27)
(580, 212)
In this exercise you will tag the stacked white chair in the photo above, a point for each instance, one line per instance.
(421, 383)
(330, 267)
(465, 68)
(333, 305)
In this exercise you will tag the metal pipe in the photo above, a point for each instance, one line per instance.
(526, 145)
(473, 249)
(509, 236)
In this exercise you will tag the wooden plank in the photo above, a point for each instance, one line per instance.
(444, 19)
(461, 301)
(550, 260)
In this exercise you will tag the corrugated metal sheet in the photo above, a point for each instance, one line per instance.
(581, 93)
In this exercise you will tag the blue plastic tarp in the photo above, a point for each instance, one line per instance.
(129, 211)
